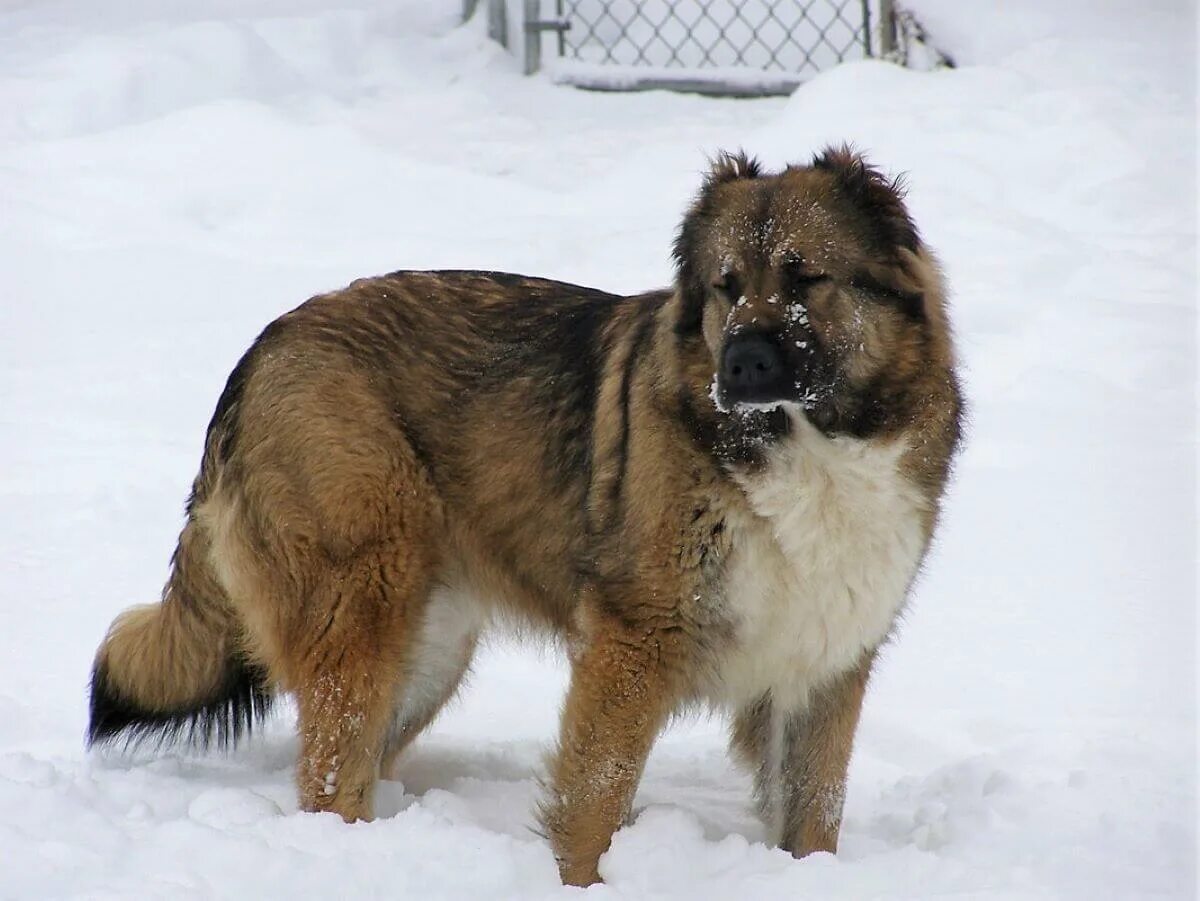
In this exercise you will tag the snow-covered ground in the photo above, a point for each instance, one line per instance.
(173, 176)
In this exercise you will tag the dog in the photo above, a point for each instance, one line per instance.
(717, 494)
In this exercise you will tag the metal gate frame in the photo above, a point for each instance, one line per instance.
(532, 26)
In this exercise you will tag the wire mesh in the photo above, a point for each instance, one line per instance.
(798, 37)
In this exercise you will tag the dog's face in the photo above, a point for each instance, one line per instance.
(802, 288)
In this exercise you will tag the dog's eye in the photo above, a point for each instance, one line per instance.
(798, 275)
(728, 285)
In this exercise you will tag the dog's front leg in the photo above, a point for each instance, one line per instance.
(618, 699)
(815, 757)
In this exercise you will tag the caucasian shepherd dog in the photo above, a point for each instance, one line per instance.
(717, 494)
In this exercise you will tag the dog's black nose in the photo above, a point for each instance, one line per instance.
(752, 369)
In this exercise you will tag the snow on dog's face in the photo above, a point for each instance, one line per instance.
(808, 287)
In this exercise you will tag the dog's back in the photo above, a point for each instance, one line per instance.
(410, 432)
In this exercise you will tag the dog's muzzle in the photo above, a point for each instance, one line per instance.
(754, 370)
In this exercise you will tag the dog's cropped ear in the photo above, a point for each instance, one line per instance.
(879, 197)
(727, 166)
(690, 278)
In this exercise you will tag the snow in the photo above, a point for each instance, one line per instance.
(173, 176)
(728, 80)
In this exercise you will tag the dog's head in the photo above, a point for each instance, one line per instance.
(807, 287)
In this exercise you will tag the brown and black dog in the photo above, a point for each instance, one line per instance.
(718, 494)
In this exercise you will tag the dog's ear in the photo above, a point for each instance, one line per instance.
(724, 168)
(879, 197)
(689, 281)
(727, 166)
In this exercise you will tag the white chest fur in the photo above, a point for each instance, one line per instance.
(820, 569)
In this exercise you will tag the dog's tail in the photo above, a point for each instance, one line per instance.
(173, 671)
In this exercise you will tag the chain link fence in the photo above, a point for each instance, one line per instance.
(795, 37)
(740, 47)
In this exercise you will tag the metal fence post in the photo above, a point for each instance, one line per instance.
(535, 25)
(533, 36)
(563, 25)
(866, 29)
(498, 22)
(887, 28)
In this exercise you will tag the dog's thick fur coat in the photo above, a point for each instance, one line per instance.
(391, 463)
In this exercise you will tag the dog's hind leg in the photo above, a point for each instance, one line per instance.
(349, 651)
(438, 660)
(351, 671)
(757, 741)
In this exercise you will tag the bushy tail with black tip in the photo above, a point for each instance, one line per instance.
(173, 672)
